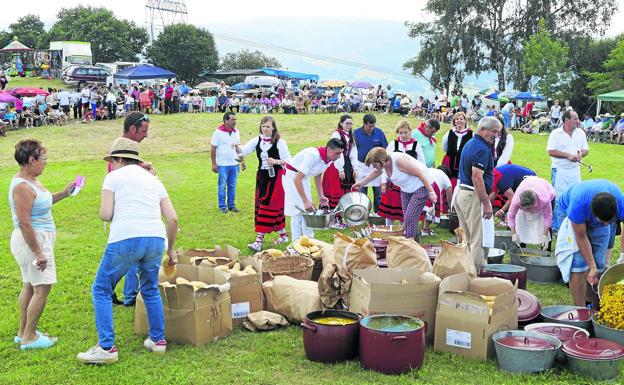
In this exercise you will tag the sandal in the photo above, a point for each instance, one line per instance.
(41, 342)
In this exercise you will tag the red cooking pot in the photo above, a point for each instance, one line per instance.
(511, 273)
(392, 344)
(330, 343)
(380, 245)
(432, 251)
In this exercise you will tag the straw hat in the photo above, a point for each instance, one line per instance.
(124, 148)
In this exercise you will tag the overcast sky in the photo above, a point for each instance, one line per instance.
(202, 12)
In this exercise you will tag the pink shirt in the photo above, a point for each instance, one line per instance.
(545, 194)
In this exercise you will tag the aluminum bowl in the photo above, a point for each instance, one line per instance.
(541, 269)
(355, 207)
(613, 275)
(319, 221)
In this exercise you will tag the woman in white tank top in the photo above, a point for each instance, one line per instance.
(411, 176)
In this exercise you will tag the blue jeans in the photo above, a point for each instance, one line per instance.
(376, 196)
(507, 118)
(119, 258)
(228, 175)
(131, 285)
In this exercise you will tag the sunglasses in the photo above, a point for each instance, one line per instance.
(143, 118)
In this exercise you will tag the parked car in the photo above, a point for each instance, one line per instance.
(85, 74)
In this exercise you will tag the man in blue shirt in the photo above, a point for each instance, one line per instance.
(592, 207)
(476, 167)
(366, 138)
(507, 178)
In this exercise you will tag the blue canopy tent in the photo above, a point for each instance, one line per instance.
(241, 87)
(527, 95)
(144, 71)
(289, 74)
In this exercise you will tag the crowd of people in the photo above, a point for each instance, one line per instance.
(476, 179)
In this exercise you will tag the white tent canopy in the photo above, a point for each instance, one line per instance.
(262, 80)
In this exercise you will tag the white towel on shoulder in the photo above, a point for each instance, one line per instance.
(565, 249)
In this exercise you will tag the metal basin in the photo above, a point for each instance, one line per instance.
(515, 255)
(495, 256)
(318, 221)
(541, 269)
(511, 273)
(608, 333)
(536, 352)
(613, 275)
(550, 314)
(502, 240)
(355, 207)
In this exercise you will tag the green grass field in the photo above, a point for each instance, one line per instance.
(179, 148)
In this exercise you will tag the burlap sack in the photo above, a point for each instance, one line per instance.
(352, 253)
(334, 286)
(264, 320)
(406, 252)
(454, 258)
(292, 298)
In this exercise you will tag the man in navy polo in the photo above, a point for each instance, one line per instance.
(366, 138)
(476, 176)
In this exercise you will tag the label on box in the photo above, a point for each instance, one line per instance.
(240, 310)
(458, 339)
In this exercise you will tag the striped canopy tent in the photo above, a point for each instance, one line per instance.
(15, 46)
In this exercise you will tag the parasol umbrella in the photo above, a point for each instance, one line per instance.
(360, 84)
(527, 95)
(15, 46)
(28, 91)
(333, 83)
(493, 95)
(262, 80)
(241, 87)
(508, 94)
(6, 97)
(207, 86)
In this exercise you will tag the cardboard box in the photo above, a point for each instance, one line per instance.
(194, 317)
(229, 252)
(246, 291)
(464, 324)
(405, 291)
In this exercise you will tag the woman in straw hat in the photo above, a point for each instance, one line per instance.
(32, 240)
(134, 201)
(410, 175)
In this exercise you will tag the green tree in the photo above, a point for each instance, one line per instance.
(500, 28)
(611, 78)
(29, 31)
(549, 73)
(111, 39)
(185, 50)
(246, 59)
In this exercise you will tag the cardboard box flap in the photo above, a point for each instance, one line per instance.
(228, 252)
(455, 282)
(210, 275)
(395, 276)
(491, 286)
(465, 302)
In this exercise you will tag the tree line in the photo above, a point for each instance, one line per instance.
(182, 48)
(552, 47)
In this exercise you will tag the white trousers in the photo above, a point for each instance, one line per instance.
(298, 227)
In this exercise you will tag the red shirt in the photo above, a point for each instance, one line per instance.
(169, 92)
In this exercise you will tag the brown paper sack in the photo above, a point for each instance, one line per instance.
(334, 285)
(404, 252)
(353, 254)
(264, 320)
(454, 258)
(292, 298)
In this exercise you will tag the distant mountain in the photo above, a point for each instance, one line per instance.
(384, 45)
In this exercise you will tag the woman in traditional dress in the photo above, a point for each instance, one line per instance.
(390, 207)
(453, 143)
(340, 176)
(272, 153)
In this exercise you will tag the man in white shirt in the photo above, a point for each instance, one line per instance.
(555, 113)
(225, 161)
(567, 145)
(63, 96)
(309, 162)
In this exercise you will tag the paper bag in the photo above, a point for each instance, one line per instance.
(264, 320)
(454, 258)
(334, 286)
(406, 252)
(353, 254)
(292, 298)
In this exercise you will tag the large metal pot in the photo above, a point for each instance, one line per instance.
(502, 240)
(318, 219)
(392, 344)
(597, 358)
(541, 269)
(528, 308)
(355, 207)
(613, 275)
(569, 315)
(520, 351)
(330, 343)
(515, 255)
(607, 333)
(560, 331)
(509, 272)
(495, 256)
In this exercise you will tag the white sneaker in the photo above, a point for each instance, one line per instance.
(156, 347)
(99, 356)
